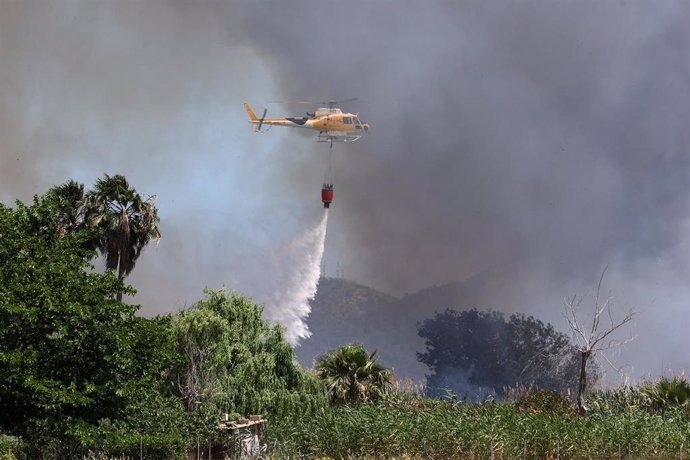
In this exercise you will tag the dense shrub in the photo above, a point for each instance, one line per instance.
(667, 393)
(11, 447)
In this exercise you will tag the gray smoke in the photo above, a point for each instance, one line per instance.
(531, 143)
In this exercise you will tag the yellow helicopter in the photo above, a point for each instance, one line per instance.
(332, 123)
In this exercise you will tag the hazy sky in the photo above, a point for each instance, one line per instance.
(533, 142)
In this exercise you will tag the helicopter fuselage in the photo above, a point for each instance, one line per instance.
(331, 123)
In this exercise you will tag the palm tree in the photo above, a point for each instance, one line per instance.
(70, 210)
(126, 221)
(71, 214)
(351, 374)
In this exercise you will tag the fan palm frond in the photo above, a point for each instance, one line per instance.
(351, 374)
(128, 223)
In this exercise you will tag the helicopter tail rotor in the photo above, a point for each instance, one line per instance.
(253, 119)
(261, 121)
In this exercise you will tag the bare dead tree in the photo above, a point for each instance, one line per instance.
(591, 340)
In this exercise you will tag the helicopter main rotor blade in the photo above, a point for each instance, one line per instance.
(289, 102)
(333, 102)
(330, 103)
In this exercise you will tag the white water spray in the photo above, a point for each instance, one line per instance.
(297, 273)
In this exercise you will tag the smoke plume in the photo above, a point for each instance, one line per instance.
(528, 143)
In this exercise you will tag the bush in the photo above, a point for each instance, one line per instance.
(667, 393)
(10, 447)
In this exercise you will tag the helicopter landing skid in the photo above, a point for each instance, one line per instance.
(331, 139)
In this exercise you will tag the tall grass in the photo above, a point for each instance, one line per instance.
(416, 426)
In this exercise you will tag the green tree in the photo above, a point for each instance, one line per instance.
(65, 342)
(69, 202)
(151, 414)
(352, 374)
(473, 352)
(126, 223)
(234, 361)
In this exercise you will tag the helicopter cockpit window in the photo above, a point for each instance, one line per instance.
(358, 124)
(347, 120)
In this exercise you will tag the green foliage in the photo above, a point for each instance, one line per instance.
(81, 375)
(64, 339)
(70, 211)
(126, 222)
(72, 357)
(351, 374)
(10, 447)
(118, 222)
(608, 402)
(406, 426)
(235, 361)
(116, 442)
(473, 352)
(667, 393)
(544, 402)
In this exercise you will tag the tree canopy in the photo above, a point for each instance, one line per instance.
(127, 222)
(119, 222)
(236, 361)
(65, 341)
(473, 352)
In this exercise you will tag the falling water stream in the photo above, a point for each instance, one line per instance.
(297, 281)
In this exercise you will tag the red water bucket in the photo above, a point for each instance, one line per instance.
(327, 195)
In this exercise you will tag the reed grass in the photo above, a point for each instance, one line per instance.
(413, 426)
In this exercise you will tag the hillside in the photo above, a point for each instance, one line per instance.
(341, 312)
(344, 311)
